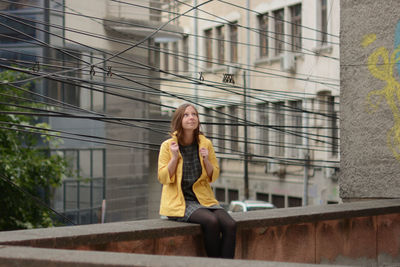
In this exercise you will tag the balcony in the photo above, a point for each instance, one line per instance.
(360, 233)
(140, 19)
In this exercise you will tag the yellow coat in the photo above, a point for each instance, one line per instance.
(172, 200)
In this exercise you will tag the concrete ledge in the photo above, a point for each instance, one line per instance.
(357, 233)
(34, 257)
(158, 228)
(307, 214)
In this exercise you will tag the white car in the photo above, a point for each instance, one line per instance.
(249, 205)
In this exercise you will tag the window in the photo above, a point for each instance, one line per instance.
(324, 22)
(166, 57)
(12, 36)
(233, 110)
(334, 126)
(221, 44)
(278, 201)
(233, 38)
(296, 27)
(208, 46)
(262, 110)
(295, 201)
(69, 93)
(297, 122)
(262, 196)
(175, 48)
(185, 46)
(280, 132)
(233, 194)
(81, 199)
(19, 4)
(209, 119)
(263, 35)
(279, 31)
(220, 194)
(221, 130)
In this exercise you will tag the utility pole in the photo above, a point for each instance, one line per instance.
(246, 82)
(306, 159)
(196, 50)
(246, 161)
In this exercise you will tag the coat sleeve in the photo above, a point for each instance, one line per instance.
(213, 159)
(163, 160)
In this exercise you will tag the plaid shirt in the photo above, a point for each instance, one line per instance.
(191, 172)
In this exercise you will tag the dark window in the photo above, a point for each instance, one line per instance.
(279, 31)
(263, 35)
(297, 121)
(220, 194)
(175, 56)
(221, 130)
(332, 202)
(264, 132)
(278, 201)
(221, 44)
(185, 44)
(334, 126)
(209, 119)
(294, 201)
(19, 4)
(296, 27)
(166, 57)
(324, 22)
(233, 194)
(14, 32)
(262, 196)
(233, 110)
(280, 135)
(66, 92)
(233, 38)
(208, 46)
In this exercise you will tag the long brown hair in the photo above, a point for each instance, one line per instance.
(176, 123)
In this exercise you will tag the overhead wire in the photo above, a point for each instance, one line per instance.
(258, 31)
(34, 198)
(276, 129)
(285, 21)
(188, 57)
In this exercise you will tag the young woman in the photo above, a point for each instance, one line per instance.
(186, 167)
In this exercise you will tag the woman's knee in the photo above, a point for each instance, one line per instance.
(230, 226)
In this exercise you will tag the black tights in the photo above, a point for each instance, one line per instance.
(219, 230)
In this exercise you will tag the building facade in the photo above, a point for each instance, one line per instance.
(265, 78)
(101, 55)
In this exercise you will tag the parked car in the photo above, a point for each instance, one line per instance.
(249, 205)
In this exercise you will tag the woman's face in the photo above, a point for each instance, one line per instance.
(190, 121)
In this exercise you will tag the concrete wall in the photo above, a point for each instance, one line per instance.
(370, 126)
(360, 233)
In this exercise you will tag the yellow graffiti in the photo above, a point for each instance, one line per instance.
(380, 65)
(368, 39)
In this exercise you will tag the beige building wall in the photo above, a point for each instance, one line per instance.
(310, 75)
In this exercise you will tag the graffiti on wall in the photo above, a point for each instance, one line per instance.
(381, 64)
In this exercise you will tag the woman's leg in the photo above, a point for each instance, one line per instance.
(228, 228)
(211, 230)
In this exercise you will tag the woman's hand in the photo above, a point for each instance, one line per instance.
(174, 147)
(207, 164)
(204, 153)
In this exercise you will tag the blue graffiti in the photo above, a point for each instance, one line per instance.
(397, 43)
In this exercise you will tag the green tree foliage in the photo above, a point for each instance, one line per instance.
(25, 161)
